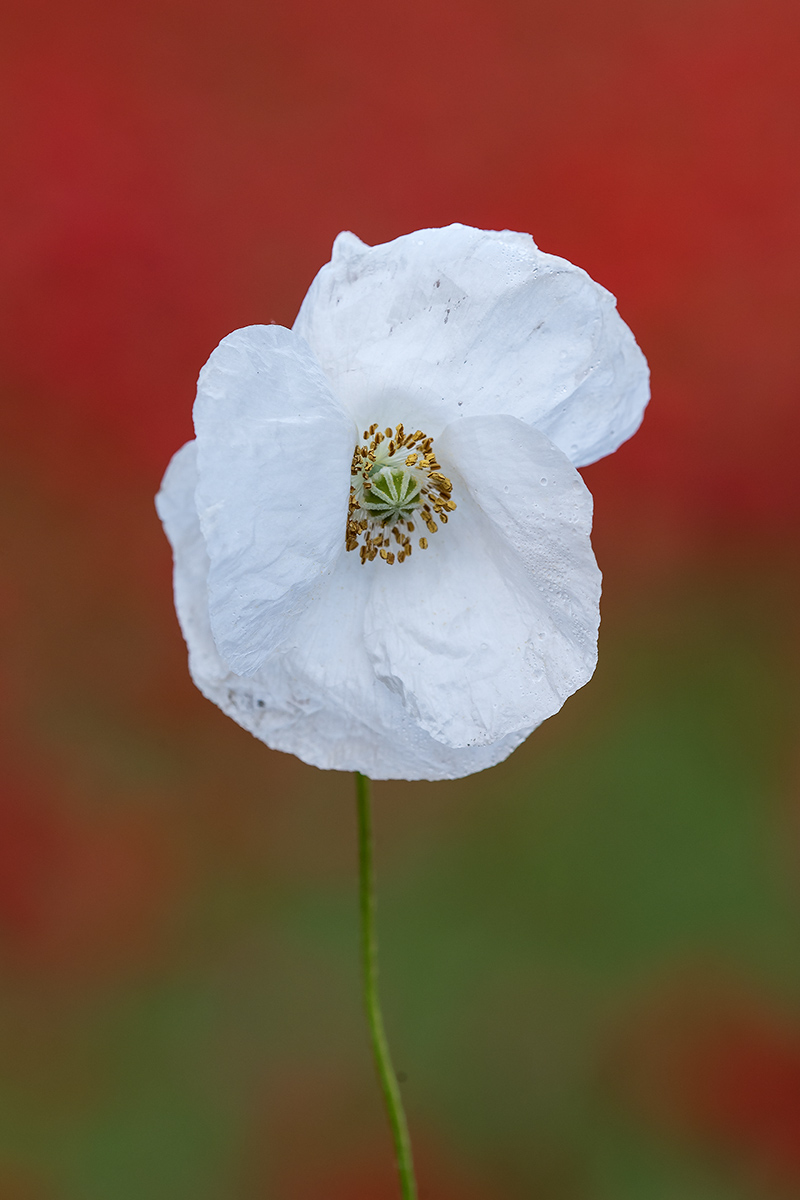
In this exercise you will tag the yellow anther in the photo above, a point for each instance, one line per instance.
(390, 484)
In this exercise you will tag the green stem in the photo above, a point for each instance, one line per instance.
(369, 963)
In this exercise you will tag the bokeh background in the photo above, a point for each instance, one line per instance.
(591, 954)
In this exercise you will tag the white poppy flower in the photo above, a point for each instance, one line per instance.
(382, 554)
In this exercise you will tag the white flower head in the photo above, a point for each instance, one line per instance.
(382, 554)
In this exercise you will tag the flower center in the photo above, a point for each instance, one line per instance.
(395, 476)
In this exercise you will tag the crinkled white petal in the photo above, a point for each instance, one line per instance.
(444, 323)
(488, 631)
(318, 697)
(274, 447)
(175, 504)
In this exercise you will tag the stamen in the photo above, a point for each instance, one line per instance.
(390, 484)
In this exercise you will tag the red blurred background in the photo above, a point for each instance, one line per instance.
(180, 1012)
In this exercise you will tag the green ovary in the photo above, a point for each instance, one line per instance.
(394, 492)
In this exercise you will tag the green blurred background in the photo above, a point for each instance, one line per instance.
(590, 961)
